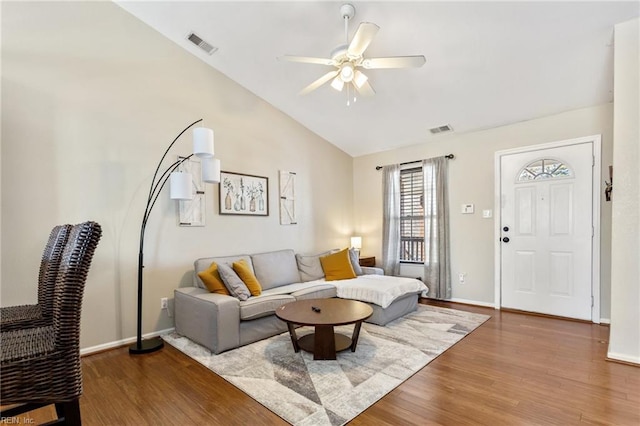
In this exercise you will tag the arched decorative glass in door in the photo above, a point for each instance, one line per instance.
(546, 168)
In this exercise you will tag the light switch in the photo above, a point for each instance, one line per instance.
(487, 214)
(467, 209)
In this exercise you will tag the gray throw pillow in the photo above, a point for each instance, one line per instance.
(309, 266)
(354, 257)
(232, 281)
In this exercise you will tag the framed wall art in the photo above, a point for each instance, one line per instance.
(242, 194)
(287, 198)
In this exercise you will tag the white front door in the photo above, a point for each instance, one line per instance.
(546, 229)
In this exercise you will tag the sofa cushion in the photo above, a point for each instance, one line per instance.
(258, 307)
(275, 268)
(354, 257)
(203, 264)
(292, 288)
(337, 266)
(232, 281)
(310, 267)
(319, 290)
(246, 275)
(212, 280)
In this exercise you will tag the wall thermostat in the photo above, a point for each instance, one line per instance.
(467, 209)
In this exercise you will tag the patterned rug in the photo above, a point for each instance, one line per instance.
(305, 392)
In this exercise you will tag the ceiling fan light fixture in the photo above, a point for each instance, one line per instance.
(346, 72)
(348, 58)
(337, 84)
(359, 79)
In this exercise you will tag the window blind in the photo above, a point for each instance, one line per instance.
(412, 215)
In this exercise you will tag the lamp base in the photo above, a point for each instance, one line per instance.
(146, 346)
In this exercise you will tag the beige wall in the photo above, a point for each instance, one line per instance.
(91, 97)
(471, 176)
(624, 343)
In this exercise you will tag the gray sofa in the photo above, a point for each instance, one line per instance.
(221, 322)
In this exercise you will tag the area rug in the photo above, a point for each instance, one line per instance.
(305, 392)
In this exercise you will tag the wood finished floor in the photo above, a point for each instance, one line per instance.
(516, 369)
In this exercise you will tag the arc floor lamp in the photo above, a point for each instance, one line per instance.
(180, 189)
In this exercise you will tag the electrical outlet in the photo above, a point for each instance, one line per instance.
(461, 277)
(164, 303)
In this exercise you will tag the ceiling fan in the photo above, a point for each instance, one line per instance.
(348, 59)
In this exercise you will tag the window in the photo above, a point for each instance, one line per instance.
(411, 216)
(544, 169)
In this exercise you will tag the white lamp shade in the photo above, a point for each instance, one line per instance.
(356, 242)
(211, 170)
(360, 79)
(337, 84)
(181, 186)
(203, 142)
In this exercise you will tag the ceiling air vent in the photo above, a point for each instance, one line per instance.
(441, 129)
(193, 38)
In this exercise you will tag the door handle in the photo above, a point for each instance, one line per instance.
(505, 240)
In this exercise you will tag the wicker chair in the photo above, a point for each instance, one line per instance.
(41, 366)
(25, 316)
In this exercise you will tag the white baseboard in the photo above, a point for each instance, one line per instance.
(472, 302)
(605, 321)
(624, 358)
(105, 346)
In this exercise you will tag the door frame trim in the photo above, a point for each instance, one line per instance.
(596, 141)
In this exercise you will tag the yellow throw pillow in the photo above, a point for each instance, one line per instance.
(213, 282)
(244, 272)
(337, 266)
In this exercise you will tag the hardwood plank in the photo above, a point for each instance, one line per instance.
(514, 369)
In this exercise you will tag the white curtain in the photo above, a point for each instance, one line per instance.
(391, 219)
(437, 267)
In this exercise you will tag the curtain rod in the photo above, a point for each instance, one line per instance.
(448, 156)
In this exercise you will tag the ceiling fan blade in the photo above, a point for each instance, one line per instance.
(307, 60)
(319, 82)
(365, 89)
(394, 62)
(362, 38)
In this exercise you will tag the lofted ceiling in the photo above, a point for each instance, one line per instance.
(487, 63)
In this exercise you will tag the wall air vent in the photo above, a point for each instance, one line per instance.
(193, 38)
(441, 129)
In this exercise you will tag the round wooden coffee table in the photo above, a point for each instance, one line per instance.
(324, 314)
